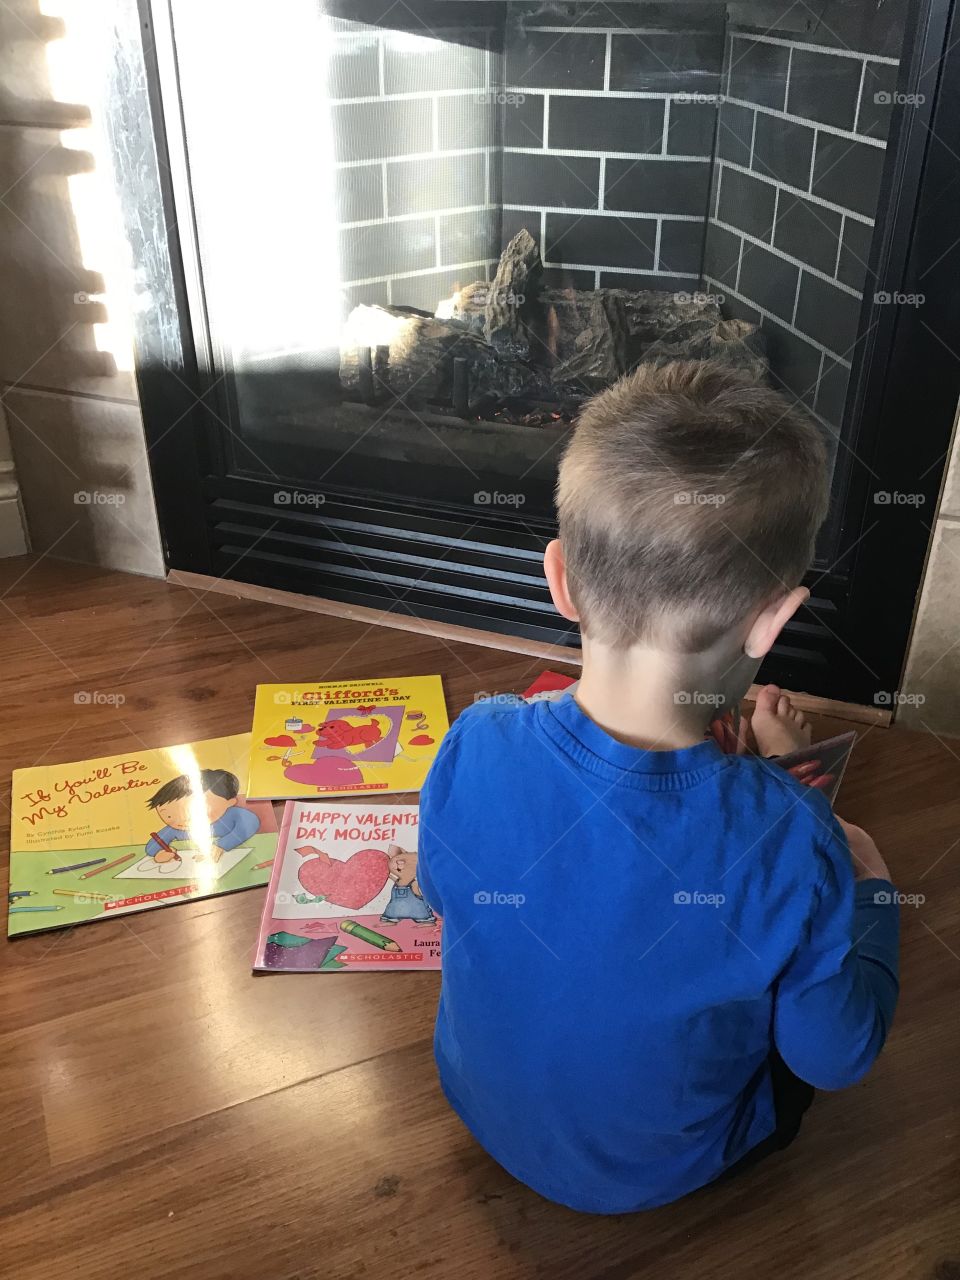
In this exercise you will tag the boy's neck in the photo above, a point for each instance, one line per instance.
(657, 700)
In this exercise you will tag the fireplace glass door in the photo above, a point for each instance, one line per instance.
(426, 232)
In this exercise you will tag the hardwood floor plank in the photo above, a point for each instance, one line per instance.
(367, 1166)
(167, 1114)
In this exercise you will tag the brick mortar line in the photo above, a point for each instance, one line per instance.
(627, 31)
(573, 154)
(548, 265)
(878, 144)
(415, 95)
(784, 324)
(415, 275)
(452, 212)
(621, 271)
(862, 86)
(454, 153)
(607, 213)
(788, 257)
(534, 90)
(639, 95)
(796, 191)
(855, 54)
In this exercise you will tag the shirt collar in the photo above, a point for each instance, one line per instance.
(579, 736)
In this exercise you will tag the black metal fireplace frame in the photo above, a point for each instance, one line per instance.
(217, 519)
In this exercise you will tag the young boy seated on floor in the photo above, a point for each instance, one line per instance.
(654, 952)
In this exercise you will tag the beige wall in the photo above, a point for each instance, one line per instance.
(66, 368)
(931, 685)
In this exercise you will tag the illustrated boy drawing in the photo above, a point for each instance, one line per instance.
(406, 899)
(740, 946)
(230, 823)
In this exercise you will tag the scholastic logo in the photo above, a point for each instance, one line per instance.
(364, 786)
(182, 891)
(365, 957)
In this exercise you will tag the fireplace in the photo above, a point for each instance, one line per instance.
(412, 238)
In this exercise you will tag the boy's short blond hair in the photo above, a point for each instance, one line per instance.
(688, 496)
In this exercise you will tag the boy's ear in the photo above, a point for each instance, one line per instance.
(771, 620)
(556, 572)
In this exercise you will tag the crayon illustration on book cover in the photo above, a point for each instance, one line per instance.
(340, 739)
(139, 829)
(344, 893)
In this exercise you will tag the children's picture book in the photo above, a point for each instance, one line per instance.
(821, 765)
(344, 895)
(135, 830)
(345, 739)
(548, 686)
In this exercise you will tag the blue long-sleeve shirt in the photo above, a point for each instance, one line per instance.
(628, 935)
(236, 825)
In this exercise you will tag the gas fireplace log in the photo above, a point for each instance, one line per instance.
(517, 350)
(732, 342)
(586, 334)
(413, 352)
(513, 297)
(652, 313)
(468, 305)
(418, 357)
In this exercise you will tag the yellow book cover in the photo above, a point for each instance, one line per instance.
(345, 738)
(139, 829)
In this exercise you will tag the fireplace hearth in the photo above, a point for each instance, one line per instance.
(437, 227)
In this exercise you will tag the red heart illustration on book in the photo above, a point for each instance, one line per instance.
(351, 883)
(282, 740)
(326, 774)
(422, 740)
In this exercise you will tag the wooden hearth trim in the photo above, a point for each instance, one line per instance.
(553, 653)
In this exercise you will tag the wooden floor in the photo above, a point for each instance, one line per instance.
(165, 1114)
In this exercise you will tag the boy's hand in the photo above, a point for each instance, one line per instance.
(868, 864)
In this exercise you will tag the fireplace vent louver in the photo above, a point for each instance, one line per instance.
(437, 565)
